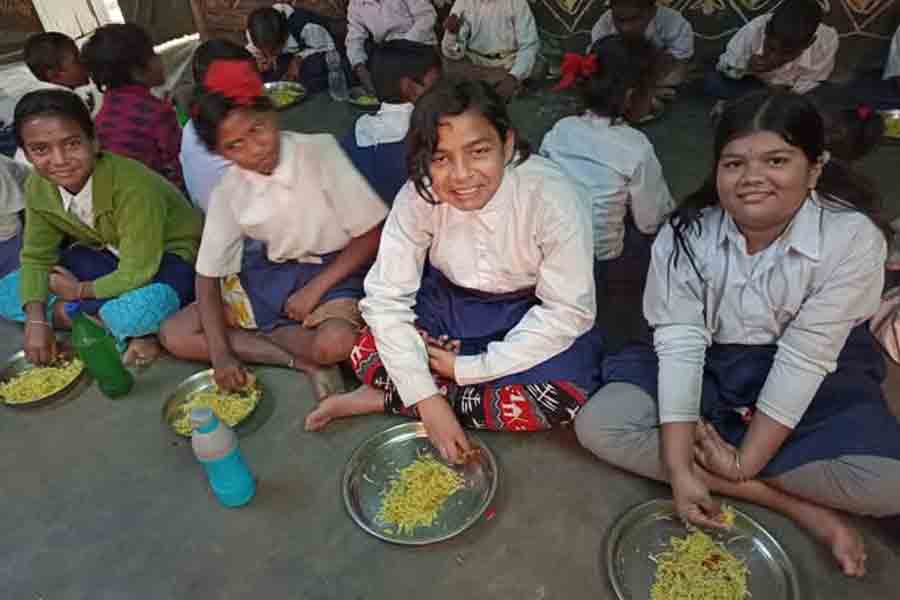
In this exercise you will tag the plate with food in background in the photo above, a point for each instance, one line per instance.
(24, 385)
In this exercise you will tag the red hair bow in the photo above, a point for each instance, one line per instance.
(574, 67)
(237, 80)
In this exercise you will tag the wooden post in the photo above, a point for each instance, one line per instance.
(199, 9)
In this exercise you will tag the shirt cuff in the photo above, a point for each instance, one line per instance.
(415, 388)
(471, 370)
(788, 392)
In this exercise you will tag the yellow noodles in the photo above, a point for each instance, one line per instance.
(38, 383)
(230, 408)
(282, 97)
(698, 568)
(417, 496)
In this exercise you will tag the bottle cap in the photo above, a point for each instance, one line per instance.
(201, 416)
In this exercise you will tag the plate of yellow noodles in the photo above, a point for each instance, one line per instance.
(24, 385)
(284, 94)
(234, 408)
(397, 487)
(652, 554)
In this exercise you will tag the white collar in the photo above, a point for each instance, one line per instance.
(85, 195)
(803, 233)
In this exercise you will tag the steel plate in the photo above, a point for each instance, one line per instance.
(379, 458)
(17, 363)
(274, 86)
(203, 381)
(645, 530)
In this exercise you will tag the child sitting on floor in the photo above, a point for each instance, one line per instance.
(620, 178)
(132, 121)
(371, 23)
(481, 302)
(203, 168)
(664, 27)
(103, 233)
(402, 71)
(55, 61)
(790, 48)
(494, 41)
(12, 203)
(295, 304)
(290, 44)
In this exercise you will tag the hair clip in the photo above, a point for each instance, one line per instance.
(574, 67)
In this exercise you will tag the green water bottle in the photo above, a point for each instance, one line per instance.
(97, 350)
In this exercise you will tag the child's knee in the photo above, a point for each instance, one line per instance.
(611, 414)
(170, 337)
(333, 342)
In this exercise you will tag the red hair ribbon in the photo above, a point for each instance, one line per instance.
(864, 112)
(574, 67)
(237, 80)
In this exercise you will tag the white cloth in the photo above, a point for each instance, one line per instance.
(314, 38)
(81, 204)
(534, 232)
(202, 169)
(892, 68)
(314, 203)
(12, 196)
(386, 20)
(668, 30)
(804, 292)
(499, 31)
(802, 74)
(88, 93)
(616, 169)
(389, 125)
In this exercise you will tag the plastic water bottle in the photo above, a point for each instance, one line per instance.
(216, 447)
(337, 81)
(96, 348)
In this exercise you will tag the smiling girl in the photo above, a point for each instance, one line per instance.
(481, 303)
(296, 303)
(766, 382)
(103, 233)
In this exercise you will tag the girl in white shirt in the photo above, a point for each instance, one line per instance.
(765, 383)
(481, 302)
(296, 303)
(619, 177)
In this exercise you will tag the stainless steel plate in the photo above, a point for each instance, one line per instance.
(646, 529)
(276, 86)
(356, 93)
(381, 456)
(203, 381)
(17, 363)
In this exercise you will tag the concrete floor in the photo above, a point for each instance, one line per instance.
(100, 502)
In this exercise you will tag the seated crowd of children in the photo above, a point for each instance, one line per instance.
(457, 268)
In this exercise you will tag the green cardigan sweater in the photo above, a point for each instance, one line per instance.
(136, 211)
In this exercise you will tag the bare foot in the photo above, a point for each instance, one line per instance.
(361, 401)
(327, 382)
(142, 351)
(845, 542)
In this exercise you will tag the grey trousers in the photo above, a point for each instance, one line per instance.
(620, 425)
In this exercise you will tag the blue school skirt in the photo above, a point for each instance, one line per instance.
(478, 318)
(847, 416)
(88, 264)
(268, 286)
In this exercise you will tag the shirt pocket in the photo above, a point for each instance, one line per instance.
(782, 290)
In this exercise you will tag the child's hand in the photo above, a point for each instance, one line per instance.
(302, 302)
(441, 361)
(264, 63)
(229, 374)
(63, 284)
(508, 86)
(443, 429)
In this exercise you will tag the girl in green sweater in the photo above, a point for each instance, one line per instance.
(103, 233)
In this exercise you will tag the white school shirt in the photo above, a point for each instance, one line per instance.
(892, 68)
(202, 169)
(315, 202)
(315, 38)
(803, 74)
(534, 232)
(805, 292)
(389, 125)
(387, 20)
(616, 168)
(81, 204)
(12, 196)
(496, 27)
(668, 30)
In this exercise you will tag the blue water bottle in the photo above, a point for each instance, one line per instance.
(216, 447)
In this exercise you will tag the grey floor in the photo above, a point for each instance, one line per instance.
(100, 502)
